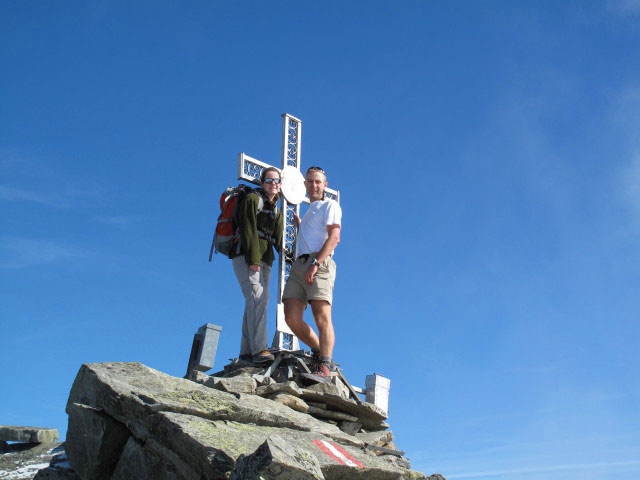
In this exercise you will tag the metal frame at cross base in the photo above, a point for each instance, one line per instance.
(249, 169)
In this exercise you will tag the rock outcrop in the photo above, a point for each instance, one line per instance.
(128, 421)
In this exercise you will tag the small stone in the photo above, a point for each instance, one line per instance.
(238, 384)
(378, 439)
(325, 387)
(287, 387)
(263, 380)
(290, 401)
(341, 388)
(199, 377)
(350, 427)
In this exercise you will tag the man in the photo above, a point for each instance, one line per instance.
(313, 273)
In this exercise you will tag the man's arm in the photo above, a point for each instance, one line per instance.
(327, 249)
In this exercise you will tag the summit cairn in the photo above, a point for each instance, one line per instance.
(128, 421)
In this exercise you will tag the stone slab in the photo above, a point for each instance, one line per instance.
(324, 413)
(131, 392)
(28, 434)
(277, 459)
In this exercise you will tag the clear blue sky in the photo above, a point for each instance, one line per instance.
(488, 155)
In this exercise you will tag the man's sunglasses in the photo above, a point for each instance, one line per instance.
(318, 169)
(272, 180)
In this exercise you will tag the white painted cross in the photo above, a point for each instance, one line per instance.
(249, 169)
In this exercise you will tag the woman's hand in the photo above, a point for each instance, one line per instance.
(254, 268)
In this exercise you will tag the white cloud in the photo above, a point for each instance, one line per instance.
(20, 252)
(11, 194)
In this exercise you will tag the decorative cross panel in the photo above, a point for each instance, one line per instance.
(249, 169)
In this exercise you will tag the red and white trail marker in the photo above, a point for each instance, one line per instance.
(338, 453)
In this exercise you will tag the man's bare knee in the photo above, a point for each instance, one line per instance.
(293, 311)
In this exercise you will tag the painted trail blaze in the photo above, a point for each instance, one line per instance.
(337, 453)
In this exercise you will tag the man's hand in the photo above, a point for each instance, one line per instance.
(310, 273)
(254, 268)
(297, 219)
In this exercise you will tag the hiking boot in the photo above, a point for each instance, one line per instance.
(323, 370)
(262, 357)
(245, 357)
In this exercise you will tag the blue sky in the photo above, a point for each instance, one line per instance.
(488, 157)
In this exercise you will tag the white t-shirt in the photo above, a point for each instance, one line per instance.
(313, 226)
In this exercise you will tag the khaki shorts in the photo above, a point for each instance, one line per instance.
(322, 286)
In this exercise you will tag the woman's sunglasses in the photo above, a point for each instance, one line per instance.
(272, 180)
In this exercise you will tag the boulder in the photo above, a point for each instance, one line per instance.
(276, 459)
(128, 421)
(130, 392)
(94, 441)
(28, 434)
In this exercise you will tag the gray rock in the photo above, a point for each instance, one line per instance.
(53, 473)
(341, 388)
(237, 384)
(290, 401)
(350, 427)
(324, 413)
(152, 461)
(371, 417)
(263, 380)
(287, 387)
(379, 439)
(400, 462)
(58, 469)
(94, 442)
(198, 441)
(199, 377)
(28, 434)
(276, 459)
(24, 460)
(325, 387)
(131, 392)
(180, 430)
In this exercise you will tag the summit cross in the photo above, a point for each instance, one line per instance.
(249, 170)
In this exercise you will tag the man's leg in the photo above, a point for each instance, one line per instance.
(293, 312)
(322, 314)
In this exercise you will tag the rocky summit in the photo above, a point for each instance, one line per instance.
(128, 422)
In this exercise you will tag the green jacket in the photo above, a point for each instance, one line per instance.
(269, 221)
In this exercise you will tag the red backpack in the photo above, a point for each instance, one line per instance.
(226, 238)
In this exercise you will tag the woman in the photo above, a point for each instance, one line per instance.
(260, 225)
